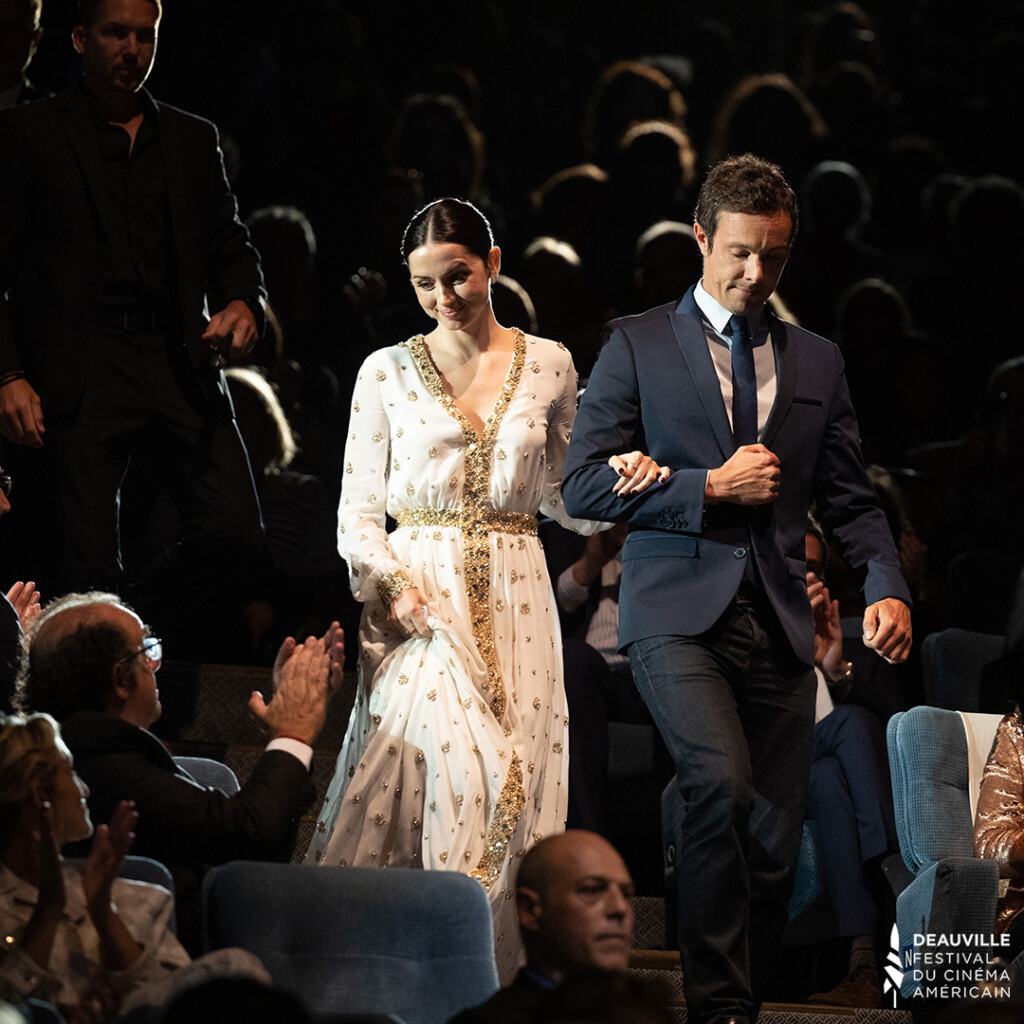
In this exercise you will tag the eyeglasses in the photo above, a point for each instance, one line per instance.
(152, 649)
(6, 483)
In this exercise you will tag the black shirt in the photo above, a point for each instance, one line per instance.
(137, 256)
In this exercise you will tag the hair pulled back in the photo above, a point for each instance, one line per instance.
(452, 220)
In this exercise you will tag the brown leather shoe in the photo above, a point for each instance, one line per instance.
(860, 988)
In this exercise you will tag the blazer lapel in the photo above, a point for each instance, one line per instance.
(785, 377)
(688, 325)
(76, 119)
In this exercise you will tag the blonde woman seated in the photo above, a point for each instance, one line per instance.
(83, 939)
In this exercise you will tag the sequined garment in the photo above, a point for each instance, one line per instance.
(999, 823)
(456, 752)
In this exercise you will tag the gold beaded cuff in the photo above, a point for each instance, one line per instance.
(392, 584)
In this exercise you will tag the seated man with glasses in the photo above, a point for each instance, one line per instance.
(92, 665)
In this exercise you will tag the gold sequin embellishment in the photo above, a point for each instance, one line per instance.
(477, 513)
(503, 825)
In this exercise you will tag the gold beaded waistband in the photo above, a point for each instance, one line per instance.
(475, 522)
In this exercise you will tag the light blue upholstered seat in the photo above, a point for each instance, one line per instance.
(935, 759)
(417, 944)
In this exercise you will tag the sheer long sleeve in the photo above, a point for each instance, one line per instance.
(362, 537)
(563, 415)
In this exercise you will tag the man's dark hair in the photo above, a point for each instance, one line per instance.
(89, 10)
(744, 184)
(66, 672)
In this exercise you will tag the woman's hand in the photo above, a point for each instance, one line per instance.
(636, 472)
(37, 939)
(118, 949)
(409, 610)
(110, 846)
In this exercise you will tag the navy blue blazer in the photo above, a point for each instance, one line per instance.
(655, 388)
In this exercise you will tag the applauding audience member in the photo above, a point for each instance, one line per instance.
(92, 665)
(85, 937)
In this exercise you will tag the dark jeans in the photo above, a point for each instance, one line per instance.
(597, 694)
(142, 391)
(851, 800)
(736, 711)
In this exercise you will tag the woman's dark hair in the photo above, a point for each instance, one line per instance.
(449, 220)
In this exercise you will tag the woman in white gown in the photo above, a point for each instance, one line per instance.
(456, 753)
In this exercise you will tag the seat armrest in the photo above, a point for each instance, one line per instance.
(956, 896)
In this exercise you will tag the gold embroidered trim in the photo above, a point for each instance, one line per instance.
(392, 584)
(476, 511)
(503, 826)
(495, 522)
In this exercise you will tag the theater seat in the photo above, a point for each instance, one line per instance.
(936, 759)
(416, 944)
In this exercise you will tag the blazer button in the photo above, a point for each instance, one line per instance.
(740, 553)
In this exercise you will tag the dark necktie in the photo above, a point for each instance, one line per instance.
(744, 383)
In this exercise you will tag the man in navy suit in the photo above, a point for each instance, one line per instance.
(752, 417)
(125, 275)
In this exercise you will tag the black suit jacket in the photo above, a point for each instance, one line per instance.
(522, 1002)
(182, 823)
(53, 232)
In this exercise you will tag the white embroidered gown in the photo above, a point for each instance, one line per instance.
(456, 754)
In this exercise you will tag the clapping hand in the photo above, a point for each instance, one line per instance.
(110, 846)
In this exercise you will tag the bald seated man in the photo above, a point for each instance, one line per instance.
(92, 665)
(574, 897)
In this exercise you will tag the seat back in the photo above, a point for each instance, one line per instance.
(417, 944)
(208, 772)
(934, 759)
(953, 662)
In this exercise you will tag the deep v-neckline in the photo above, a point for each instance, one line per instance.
(435, 385)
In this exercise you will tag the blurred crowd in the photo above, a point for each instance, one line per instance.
(583, 139)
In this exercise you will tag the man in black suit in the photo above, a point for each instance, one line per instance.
(128, 277)
(574, 900)
(93, 664)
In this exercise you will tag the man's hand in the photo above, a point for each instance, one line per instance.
(750, 477)
(25, 599)
(234, 327)
(306, 676)
(887, 629)
(21, 414)
(636, 472)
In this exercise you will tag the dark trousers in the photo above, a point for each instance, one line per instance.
(597, 694)
(736, 711)
(851, 800)
(142, 395)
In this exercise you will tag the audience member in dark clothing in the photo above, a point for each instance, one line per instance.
(118, 231)
(20, 31)
(93, 664)
(573, 895)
